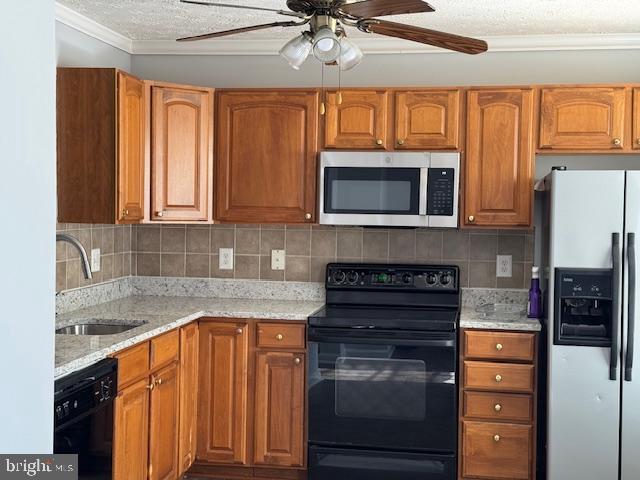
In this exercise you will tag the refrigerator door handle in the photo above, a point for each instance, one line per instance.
(615, 258)
(631, 255)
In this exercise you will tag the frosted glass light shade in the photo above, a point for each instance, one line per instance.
(350, 56)
(296, 51)
(326, 46)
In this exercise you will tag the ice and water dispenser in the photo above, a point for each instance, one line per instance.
(583, 307)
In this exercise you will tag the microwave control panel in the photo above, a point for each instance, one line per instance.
(440, 191)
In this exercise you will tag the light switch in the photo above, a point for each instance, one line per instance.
(277, 259)
(225, 259)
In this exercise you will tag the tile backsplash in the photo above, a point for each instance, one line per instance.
(192, 251)
(114, 243)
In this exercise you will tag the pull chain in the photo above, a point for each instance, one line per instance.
(339, 96)
(323, 108)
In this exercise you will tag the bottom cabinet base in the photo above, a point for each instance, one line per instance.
(233, 472)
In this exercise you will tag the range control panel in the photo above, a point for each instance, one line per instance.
(410, 277)
(440, 191)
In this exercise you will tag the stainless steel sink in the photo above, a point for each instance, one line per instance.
(98, 327)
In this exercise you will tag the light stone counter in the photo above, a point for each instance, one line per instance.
(469, 318)
(161, 314)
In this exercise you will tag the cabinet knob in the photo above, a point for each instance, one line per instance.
(159, 382)
(499, 346)
(239, 331)
(151, 386)
(638, 141)
(307, 216)
(472, 219)
(400, 142)
(497, 407)
(125, 212)
(297, 361)
(496, 438)
(379, 142)
(160, 213)
(498, 378)
(279, 336)
(617, 142)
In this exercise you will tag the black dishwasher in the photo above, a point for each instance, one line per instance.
(83, 418)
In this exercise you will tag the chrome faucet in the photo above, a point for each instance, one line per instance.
(86, 268)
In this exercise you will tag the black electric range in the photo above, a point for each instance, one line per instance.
(382, 376)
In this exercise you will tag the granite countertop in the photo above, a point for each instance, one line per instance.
(161, 314)
(470, 318)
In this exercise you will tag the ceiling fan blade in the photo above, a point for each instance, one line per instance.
(245, 7)
(380, 8)
(449, 41)
(239, 30)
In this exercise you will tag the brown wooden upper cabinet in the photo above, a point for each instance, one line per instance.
(427, 120)
(181, 153)
(359, 121)
(267, 145)
(584, 118)
(101, 124)
(636, 119)
(498, 185)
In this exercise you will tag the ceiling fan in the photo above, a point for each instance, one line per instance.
(326, 37)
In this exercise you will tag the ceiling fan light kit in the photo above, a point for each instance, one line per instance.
(327, 18)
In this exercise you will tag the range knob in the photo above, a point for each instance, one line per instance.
(407, 278)
(338, 277)
(59, 412)
(446, 279)
(352, 277)
(432, 279)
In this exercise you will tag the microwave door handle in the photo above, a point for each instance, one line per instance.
(422, 206)
(631, 252)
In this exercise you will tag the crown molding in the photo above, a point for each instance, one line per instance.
(370, 45)
(92, 28)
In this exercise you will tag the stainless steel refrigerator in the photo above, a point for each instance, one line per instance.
(592, 391)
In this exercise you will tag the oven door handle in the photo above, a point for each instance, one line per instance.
(422, 205)
(421, 339)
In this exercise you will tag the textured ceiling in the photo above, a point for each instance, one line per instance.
(170, 19)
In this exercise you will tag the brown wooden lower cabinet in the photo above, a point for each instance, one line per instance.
(163, 425)
(131, 432)
(188, 397)
(251, 407)
(498, 405)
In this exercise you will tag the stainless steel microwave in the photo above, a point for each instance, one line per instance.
(391, 189)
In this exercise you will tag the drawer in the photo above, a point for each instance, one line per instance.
(133, 364)
(496, 450)
(498, 406)
(498, 376)
(281, 335)
(499, 345)
(165, 348)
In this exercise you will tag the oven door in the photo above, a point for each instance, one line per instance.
(393, 390)
(374, 189)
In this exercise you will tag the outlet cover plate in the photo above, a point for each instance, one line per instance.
(225, 259)
(95, 260)
(277, 259)
(504, 266)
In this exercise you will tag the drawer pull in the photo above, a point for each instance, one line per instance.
(279, 336)
(497, 407)
(239, 331)
(297, 361)
(498, 378)
(499, 346)
(496, 438)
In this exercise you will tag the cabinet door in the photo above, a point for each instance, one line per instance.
(188, 397)
(223, 381)
(496, 450)
(499, 161)
(279, 409)
(131, 141)
(163, 425)
(359, 121)
(583, 118)
(636, 119)
(427, 120)
(131, 432)
(182, 143)
(267, 148)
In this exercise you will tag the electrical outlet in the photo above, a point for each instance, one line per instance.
(504, 266)
(225, 259)
(95, 260)
(277, 259)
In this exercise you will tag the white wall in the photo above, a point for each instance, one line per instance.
(27, 250)
(501, 68)
(76, 49)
